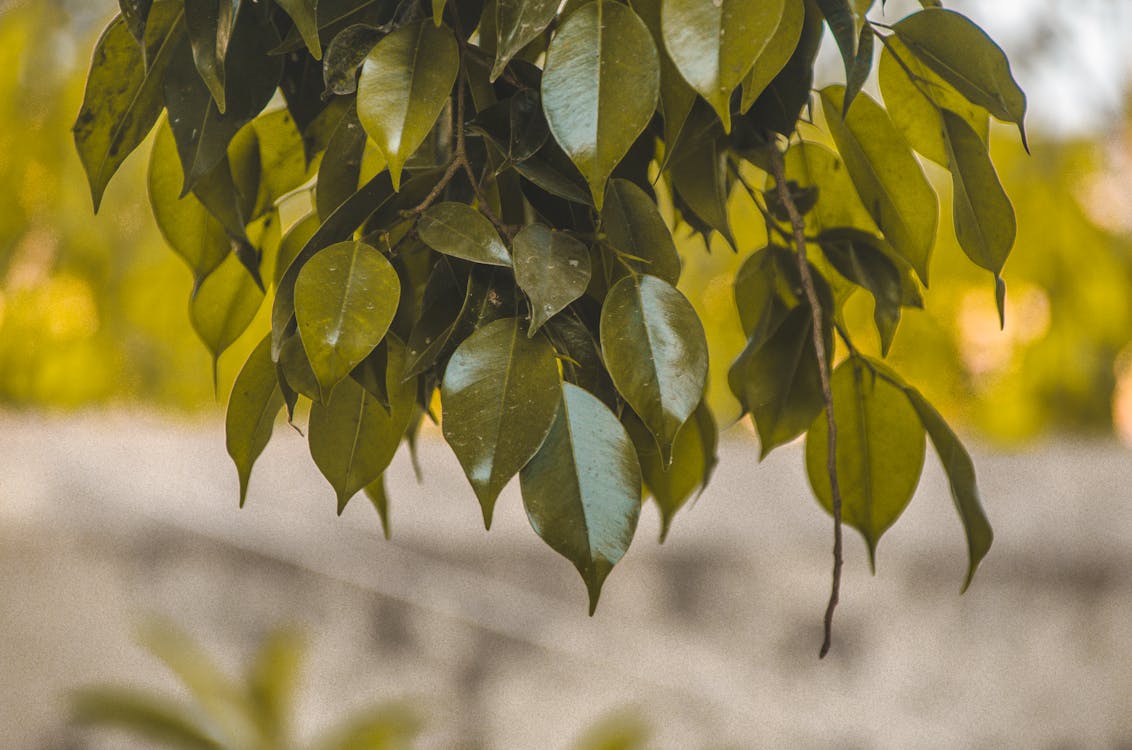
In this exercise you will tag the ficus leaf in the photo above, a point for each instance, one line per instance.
(252, 408)
(458, 230)
(345, 55)
(224, 305)
(552, 268)
(405, 82)
(656, 352)
(715, 44)
(776, 54)
(582, 490)
(303, 13)
(633, 226)
(888, 178)
(880, 451)
(210, 25)
(963, 55)
(345, 299)
(500, 394)
(517, 23)
(839, 15)
(123, 97)
(379, 496)
(600, 87)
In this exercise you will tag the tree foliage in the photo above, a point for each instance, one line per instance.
(491, 191)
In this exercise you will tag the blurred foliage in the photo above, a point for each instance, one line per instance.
(85, 302)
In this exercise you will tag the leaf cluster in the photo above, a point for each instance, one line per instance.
(488, 193)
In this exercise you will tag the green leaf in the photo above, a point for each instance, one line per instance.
(888, 178)
(293, 241)
(193, 233)
(517, 24)
(252, 408)
(984, 218)
(914, 95)
(210, 25)
(282, 163)
(812, 165)
(500, 395)
(458, 230)
(302, 12)
(843, 26)
(776, 379)
(378, 495)
(858, 74)
(353, 438)
(552, 268)
(699, 175)
(296, 369)
(345, 55)
(656, 352)
(201, 130)
(964, 56)
(582, 490)
(516, 126)
(880, 451)
(600, 87)
(776, 54)
(345, 299)
(135, 13)
(340, 173)
(693, 459)
(404, 85)
(151, 717)
(633, 226)
(224, 304)
(960, 474)
(715, 44)
(858, 257)
(123, 97)
(676, 96)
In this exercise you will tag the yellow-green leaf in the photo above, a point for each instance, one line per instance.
(405, 82)
(252, 408)
(224, 305)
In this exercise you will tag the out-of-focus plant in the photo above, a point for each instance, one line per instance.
(225, 714)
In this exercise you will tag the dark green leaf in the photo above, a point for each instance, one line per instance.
(656, 352)
(252, 408)
(123, 96)
(700, 178)
(858, 257)
(135, 13)
(404, 85)
(346, 54)
(302, 12)
(600, 87)
(862, 66)
(517, 23)
(776, 54)
(887, 176)
(633, 226)
(340, 172)
(964, 56)
(297, 236)
(211, 24)
(880, 451)
(582, 490)
(715, 44)
(552, 268)
(345, 299)
(500, 394)
(458, 230)
(676, 96)
(839, 16)
(984, 218)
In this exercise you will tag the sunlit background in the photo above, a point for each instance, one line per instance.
(117, 504)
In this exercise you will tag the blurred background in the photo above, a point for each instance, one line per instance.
(118, 503)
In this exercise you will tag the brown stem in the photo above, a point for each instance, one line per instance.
(798, 224)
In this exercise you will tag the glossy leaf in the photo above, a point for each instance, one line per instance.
(461, 231)
(303, 13)
(201, 131)
(984, 218)
(880, 451)
(890, 181)
(715, 44)
(252, 408)
(517, 23)
(123, 97)
(500, 394)
(552, 268)
(676, 96)
(582, 490)
(858, 257)
(776, 54)
(193, 233)
(345, 299)
(404, 85)
(699, 176)
(963, 55)
(353, 438)
(210, 24)
(656, 352)
(600, 87)
(348, 162)
(633, 226)
(224, 305)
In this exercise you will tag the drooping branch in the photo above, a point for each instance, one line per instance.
(798, 225)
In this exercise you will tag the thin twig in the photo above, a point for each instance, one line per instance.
(798, 224)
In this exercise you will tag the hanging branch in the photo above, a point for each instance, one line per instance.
(798, 224)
